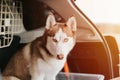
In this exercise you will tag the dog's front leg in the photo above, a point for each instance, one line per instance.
(38, 77)
(50, 77)
(9, 78)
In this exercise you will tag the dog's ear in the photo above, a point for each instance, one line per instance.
(50, 21)
(72, 23)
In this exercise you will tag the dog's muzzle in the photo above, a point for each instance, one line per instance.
(60, 56)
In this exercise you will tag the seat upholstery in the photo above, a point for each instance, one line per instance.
(92, 57)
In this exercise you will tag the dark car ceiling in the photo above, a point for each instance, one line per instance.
(33, 14)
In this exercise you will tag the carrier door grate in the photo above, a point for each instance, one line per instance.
(10, 21)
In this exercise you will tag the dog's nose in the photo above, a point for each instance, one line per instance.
(60, 56)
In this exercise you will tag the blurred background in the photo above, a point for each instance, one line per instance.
(105, 14)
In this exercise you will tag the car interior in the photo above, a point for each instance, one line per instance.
(21, 21)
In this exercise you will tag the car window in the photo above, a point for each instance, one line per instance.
(104, 14)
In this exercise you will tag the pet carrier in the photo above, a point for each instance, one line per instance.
(10, 20)
(79, 76)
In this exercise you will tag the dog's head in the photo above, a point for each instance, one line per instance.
(60, 37)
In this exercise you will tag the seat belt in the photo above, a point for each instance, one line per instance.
(66, 69)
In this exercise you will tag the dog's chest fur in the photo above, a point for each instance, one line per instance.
(50, 66)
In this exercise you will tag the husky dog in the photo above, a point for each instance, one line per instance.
(43, 58)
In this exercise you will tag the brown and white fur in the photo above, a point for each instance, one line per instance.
(44, 57)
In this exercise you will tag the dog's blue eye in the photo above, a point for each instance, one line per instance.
(55, 40)
(66, 40)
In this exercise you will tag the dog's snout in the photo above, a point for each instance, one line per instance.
(60, 56)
